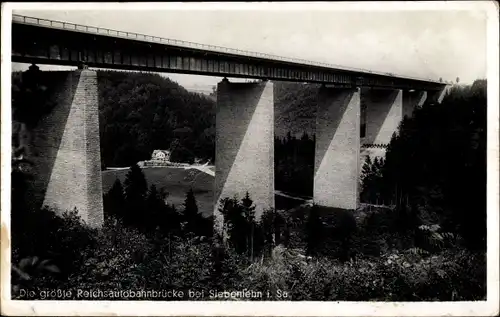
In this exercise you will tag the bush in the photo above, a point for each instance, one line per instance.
(378, 232)
(392, 277)
(115, 261)
(49, 249)
(329, 231)
(49, 236)
(124, 258)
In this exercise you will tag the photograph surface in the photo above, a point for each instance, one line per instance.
(249, 154)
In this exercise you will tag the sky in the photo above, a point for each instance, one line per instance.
(426, 44)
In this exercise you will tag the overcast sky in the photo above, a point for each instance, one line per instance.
(427, 44)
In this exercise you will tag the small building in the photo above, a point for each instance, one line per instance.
(161, 158)
(161, 155)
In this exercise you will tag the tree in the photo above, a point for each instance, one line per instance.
(294, 164)
(169, 221)
(274, 229)
(114, 201)
(191, 214)
(434, 170)
(249, 215)
(235, 223)
(154, 207)
(213, 93)
(31, 96)
(314, 231)
(136, 188)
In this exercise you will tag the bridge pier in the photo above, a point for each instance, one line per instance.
(437, 96)
(413, 99)
(336, 168)
(384, 112)
(244, 148)
(69, 160)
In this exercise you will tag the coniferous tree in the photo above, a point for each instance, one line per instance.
(235, 223)
(170, 221)
(366, 175)
(249, 215)
(114, 201)
(435, 166)
(274, 229)
(192, 217)
(294, 164)
(154, 207)
(136, 189)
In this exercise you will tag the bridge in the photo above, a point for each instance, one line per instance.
(62, 43)
(244, 114)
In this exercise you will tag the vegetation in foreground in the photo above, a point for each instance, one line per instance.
(427, 245)
(119, 257)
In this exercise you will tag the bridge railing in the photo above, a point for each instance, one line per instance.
(187, 44)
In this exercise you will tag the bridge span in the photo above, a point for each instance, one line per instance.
(244, 113)
(63, 43)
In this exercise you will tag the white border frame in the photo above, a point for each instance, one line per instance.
(125, 308)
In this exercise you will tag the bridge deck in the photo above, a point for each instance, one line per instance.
(55, 42)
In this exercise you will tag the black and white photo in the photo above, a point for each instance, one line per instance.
(250, 154)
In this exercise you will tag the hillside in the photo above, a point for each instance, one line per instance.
(295, 108)
(141, 112)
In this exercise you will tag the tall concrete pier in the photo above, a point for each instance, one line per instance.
(336, 167)
(244, 150)
(437, 96)
(384, 111)
(68, 157)
(413, 99)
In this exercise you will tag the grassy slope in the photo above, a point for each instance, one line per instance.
(177, 181)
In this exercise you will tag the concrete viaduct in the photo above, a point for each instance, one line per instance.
(244, 116)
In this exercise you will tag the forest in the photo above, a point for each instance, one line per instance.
(141, 112)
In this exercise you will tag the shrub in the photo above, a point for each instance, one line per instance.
(49, 236)
(392, 277)
(125, 258)
(115, 260)
(30, 272)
